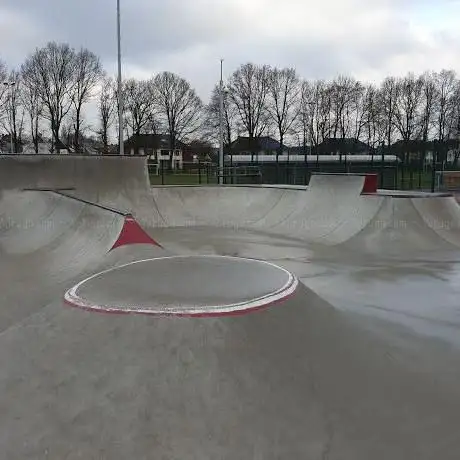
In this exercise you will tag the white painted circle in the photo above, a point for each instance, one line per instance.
(184, 286)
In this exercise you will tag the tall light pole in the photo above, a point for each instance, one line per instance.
(121, 146)
(221, 126)
(11, 84)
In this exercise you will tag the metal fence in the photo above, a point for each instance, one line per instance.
(393, 173)
(297, 169)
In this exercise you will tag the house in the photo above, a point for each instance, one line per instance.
(198, 150)
(112, 149)
(422, 151)
(301, 150)
(5, 145)
(347, 146)
(158, 148)
(254, 146)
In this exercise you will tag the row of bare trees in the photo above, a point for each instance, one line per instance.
(263, 100)
(55, 84)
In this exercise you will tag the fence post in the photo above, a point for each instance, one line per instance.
(433, 166)
(382, 164)
(162, 163)
(305, 167)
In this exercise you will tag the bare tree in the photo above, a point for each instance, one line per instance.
(282, 105)
(52, 71)
(248, 90)
(308, 111)
(370, 117)
(138, 105)
(13, 121)
(455, 124)
(3, 88)
(87, 72)
(211, 126)
(389, 93)
(358, 112)
(428, 105)
(322, 124)
(407, 113)
(302, 125)
(33, 109)
(178, 106)
(67, 131)
(446, 88)
(342, 93)
(106, 110)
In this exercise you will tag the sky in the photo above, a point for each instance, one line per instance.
(367, 39)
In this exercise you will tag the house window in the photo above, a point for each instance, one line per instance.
(178, 153)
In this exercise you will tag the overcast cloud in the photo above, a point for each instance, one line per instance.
(368, 39)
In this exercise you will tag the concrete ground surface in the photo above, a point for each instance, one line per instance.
(361, 362)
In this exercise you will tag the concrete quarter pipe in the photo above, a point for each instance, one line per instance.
(357, 359)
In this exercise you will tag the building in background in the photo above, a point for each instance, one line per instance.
(157, 147)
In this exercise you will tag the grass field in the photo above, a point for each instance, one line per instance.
(419, 180)
(182, 179)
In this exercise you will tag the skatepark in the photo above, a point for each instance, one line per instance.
(224, 322)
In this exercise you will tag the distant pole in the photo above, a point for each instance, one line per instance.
(120, 85)
(221, 126)
(12, 127)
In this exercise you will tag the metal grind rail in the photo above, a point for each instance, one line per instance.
(62, 192)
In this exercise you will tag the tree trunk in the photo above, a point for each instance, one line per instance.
(105, 140)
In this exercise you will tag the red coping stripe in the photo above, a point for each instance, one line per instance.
(204, 314)
(370, 184)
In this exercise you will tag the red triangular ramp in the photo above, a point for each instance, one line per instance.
(133, 233)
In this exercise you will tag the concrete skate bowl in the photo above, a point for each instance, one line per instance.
(333, 216)
(308, 377)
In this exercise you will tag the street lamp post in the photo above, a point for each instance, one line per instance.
(221, 126)
(11, 84)
(121, 146)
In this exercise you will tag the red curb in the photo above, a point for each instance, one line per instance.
(133, 233)
(234, 313)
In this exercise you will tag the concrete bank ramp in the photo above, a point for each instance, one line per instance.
(333, 211)
(413, 226)
(46, 239)
(107, 179)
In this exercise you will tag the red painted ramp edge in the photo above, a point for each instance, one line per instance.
(133, 233)
(370, 183)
